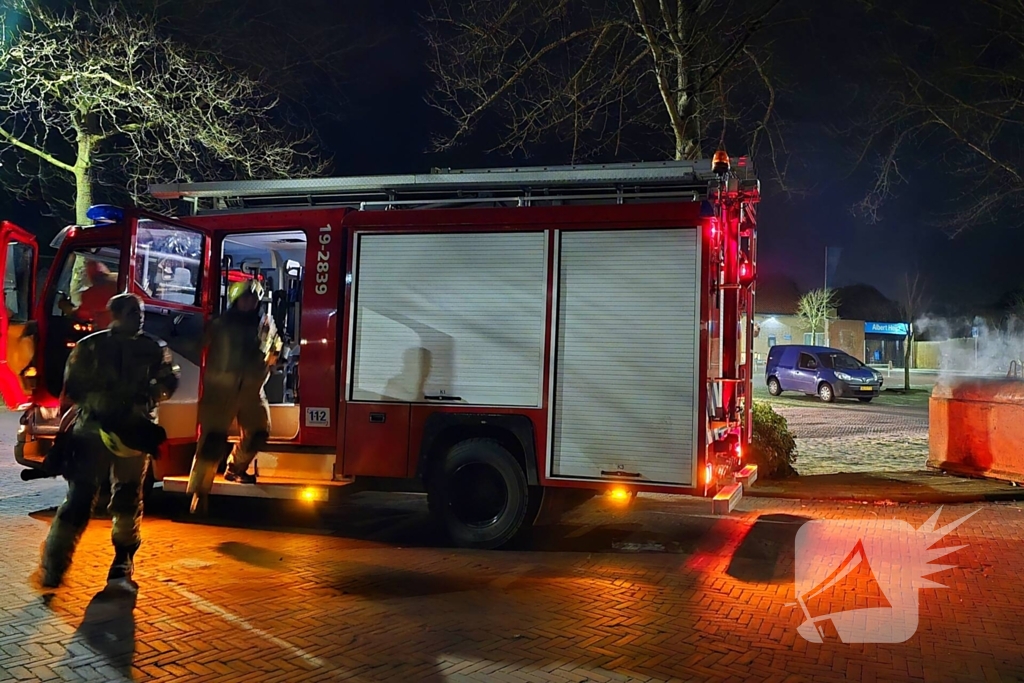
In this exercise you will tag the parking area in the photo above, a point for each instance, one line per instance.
(888, 434)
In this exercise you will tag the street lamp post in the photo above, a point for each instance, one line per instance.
(827, 340)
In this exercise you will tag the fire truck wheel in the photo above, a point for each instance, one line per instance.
(479, 494)
(774, 388)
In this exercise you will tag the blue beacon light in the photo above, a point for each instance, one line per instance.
(104, 213)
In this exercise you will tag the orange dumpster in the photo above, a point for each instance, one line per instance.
(976, 428)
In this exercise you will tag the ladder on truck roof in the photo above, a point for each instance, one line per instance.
(520, 186)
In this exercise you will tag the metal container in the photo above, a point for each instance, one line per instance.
(976, 428)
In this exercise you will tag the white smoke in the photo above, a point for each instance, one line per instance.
(974, 347)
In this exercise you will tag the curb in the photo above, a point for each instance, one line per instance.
(919, 498)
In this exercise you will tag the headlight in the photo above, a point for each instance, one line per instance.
(843, 376)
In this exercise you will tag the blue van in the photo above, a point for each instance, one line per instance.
(829, 373)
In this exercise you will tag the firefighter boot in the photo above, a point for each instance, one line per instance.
(57, 552)
(54, 565)
(242, 478)
(236, 472)
(245, 451)
(67, 527)
(122, 568)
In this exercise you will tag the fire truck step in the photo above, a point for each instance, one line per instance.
(747, 476)
(726, 499)
(313, 490)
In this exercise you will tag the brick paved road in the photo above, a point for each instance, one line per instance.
(660, 592)
(854, 438)
(890, 434)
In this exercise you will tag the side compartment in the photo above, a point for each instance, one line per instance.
(626, 377)
(441, 322)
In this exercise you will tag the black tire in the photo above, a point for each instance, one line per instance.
(774, 388)
(826, 393)
(865, 399)
(478, 492)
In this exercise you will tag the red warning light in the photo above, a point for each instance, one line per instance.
(746, 272)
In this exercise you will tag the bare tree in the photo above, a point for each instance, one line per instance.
(602, 76)
(815, 307)
(308, 53)
(911, 308)
(1014, 313)
(96, 96)
(957, 103)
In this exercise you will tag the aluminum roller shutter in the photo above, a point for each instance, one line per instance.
(475, 302)
(626, 378)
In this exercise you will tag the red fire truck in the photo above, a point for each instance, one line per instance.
(501, 339)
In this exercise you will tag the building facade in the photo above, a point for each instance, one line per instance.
(773, 330)
(885, 343)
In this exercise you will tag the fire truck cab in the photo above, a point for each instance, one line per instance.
(500, 339)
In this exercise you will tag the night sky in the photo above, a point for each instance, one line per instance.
(381, 124)
(971, 270)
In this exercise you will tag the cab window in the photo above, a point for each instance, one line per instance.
(807, 362)
(169, 263)
(86, 276)
(18, 282)
(168, 272)
(76, 305)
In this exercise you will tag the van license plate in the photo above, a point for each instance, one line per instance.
(866, 388)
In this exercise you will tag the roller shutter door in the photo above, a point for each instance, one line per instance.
(461, 314)
(626, 363)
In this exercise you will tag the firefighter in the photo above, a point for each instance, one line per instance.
(93, 306)
(241, 346)
(115, 378)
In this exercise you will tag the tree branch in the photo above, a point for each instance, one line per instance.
(48, 158)
(574, 71)
(135, 107)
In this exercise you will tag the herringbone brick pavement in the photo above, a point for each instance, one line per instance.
(854, 438)
(661, 592)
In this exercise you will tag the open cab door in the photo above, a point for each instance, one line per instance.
(19, 260)
(168, 266)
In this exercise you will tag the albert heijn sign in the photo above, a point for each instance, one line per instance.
(896, 329)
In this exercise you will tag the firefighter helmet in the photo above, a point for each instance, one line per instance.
(239, 289)
(114, 444)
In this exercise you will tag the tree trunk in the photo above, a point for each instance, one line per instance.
(686, 125)
(684, 143)
(83, 200)
(907, 357)
(83, 179)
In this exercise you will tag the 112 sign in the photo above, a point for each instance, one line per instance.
(318, 417)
